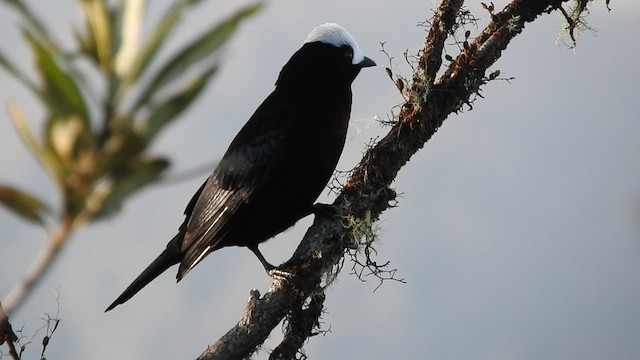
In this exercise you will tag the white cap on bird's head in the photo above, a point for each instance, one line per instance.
(336, 35)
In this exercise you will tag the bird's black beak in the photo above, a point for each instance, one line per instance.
(366, 63)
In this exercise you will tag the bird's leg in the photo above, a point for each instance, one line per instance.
(267, 266)
(324, 210)
(272, 271)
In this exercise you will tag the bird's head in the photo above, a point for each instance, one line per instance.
(329, 54)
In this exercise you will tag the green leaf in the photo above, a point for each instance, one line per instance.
(63, 135)
(197, 50)
(174, 105)
(68, 126)
(99, 22)
(23, 204)
(36, 26)
(110, 199)
(158, 37)
(46, 158)
(120, 33)
(17, 74)
(61, 93)
(126, 18)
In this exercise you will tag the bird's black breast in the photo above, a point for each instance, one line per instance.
(273, 171)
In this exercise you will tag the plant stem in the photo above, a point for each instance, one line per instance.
(39, 267)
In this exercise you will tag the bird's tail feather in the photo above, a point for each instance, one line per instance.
(169, 257)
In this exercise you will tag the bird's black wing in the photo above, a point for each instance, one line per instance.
(222, 197)
(246, 164)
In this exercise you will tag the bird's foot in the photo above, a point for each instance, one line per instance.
(282, 275)
(274, 272)
(324, 210)
(267, 265)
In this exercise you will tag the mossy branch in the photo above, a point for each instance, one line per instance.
(368, 193)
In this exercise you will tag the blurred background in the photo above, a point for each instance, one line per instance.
(517, 231)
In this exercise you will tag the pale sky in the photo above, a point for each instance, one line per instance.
(518, 228)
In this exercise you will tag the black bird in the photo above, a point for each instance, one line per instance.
(279, 162)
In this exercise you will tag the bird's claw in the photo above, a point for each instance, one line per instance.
(282, 275)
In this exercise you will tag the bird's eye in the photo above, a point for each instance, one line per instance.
(348, 54)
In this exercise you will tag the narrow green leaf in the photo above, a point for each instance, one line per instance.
(86, 46)
(64, 135)
(194, 52)
(46, 158)
(122, 47)
(157, 38)
(119, 33)
(36, 26)
(23, 204)
(20, 122)
(135, 178)
(97, 15)
(169, 109)
(126, 24)
(17, 74)
(61, 92)
(68, 129)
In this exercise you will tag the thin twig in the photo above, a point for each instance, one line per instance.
(39, 267)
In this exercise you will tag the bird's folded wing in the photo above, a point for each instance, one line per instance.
(227, 192)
